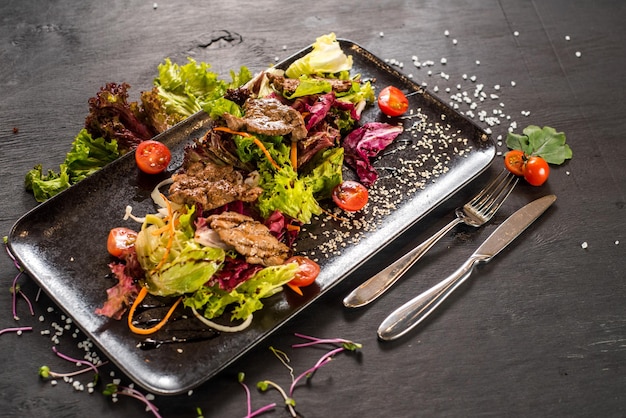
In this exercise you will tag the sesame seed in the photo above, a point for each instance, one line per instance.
(584, 245)
(516, 33)
(578, 54)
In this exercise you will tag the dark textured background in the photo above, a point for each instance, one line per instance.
(540, 331)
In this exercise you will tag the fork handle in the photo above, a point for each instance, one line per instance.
(413, 312)
(383, 280)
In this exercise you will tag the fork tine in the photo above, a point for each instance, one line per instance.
(489, 200)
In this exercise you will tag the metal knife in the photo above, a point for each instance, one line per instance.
(409, 315)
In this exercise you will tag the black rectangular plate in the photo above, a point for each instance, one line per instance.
(62, 242)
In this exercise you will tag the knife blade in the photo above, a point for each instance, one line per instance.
(413, 312)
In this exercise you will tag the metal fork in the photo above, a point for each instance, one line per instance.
(478, 211)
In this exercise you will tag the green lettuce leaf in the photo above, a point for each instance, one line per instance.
(216, 108)
(282, 189)
(86, 156)
(46, 186)
(360, 92)
(309, 86)
(325, 58)
(185, 89)
(245, 298)
(326, 172)
(181, 269)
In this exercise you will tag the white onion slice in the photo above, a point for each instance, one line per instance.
(223, 328)
(129, 214)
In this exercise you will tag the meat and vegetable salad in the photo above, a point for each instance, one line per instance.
(222, 238)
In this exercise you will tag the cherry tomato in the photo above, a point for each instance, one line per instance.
(120, 240)
(536, 171)
(152, 157)
(308, 271)
(392, 101)
(514, 161)
(350, 195)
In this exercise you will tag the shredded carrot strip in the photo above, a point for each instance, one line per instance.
(145, 331)
(256, 142)
(172, 231)
(291, 227)
(293, 155)
(295, 289)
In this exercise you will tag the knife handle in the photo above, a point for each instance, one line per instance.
(413, 312)
(376, 285)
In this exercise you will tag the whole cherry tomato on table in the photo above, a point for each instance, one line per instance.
(392, 101)
(536, 171)
(152, 157)
(350, 196)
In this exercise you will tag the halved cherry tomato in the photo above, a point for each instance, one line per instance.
(350, 195)
(514, 161)
(152, 157)
(536, 171)
(120, 240)
(392, 101)
(308, 270)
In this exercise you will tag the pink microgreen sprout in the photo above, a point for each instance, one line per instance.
(250, 413)
(15, 289)
(18, 330)
(326, 358)
(45, 372)
(113, 390)
(290, 403)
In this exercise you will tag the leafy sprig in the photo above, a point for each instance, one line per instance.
(544, 142)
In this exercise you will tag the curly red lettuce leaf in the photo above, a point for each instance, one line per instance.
(367, 142)
(113, 117)
(120, 296)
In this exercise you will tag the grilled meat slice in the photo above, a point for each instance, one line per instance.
(211, 185)
(268, 116)
(250, 238)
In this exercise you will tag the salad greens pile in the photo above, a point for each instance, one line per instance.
(115, 125)
(168, 259)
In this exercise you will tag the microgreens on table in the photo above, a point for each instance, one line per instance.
(114, 390)
(340, 346)
(15, 288)
(45, 372)
(251, 414)
(17, 330)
